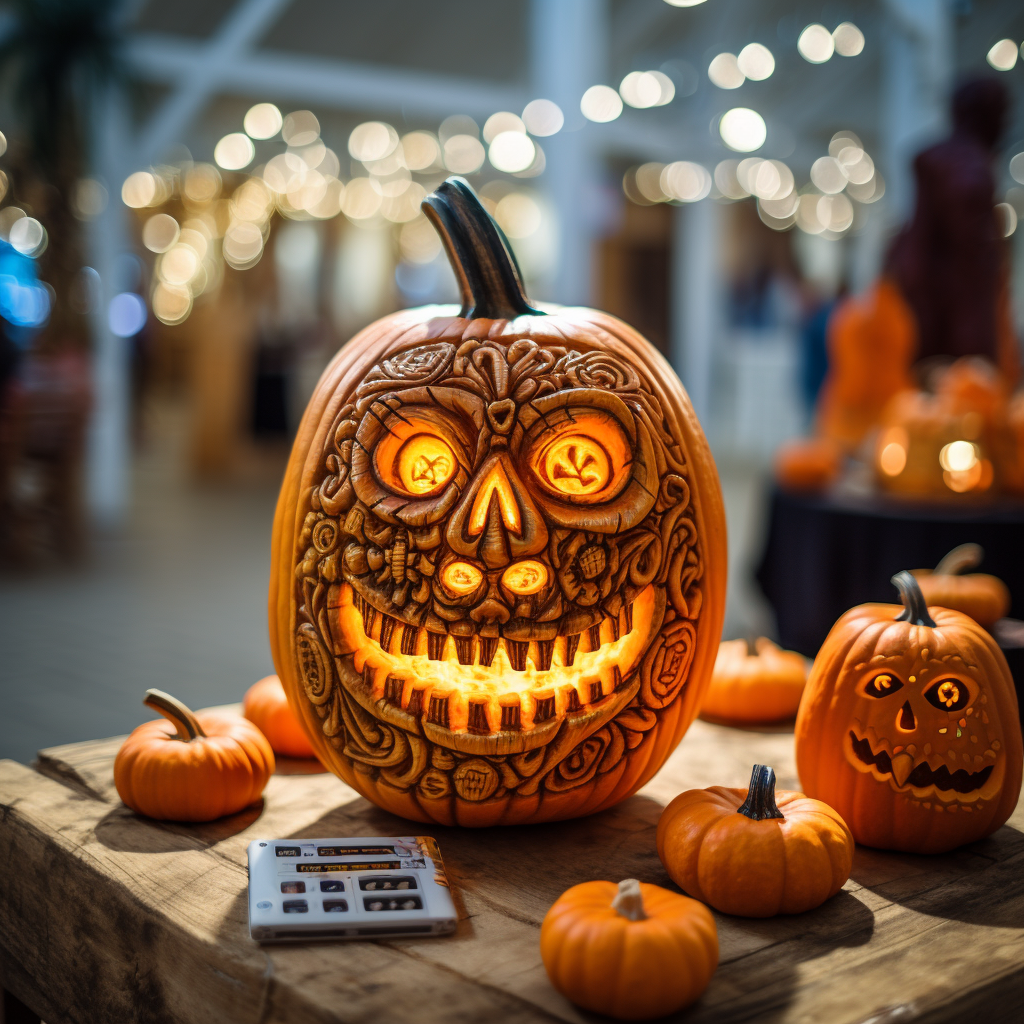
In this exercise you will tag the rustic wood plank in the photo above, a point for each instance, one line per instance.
(155, 913)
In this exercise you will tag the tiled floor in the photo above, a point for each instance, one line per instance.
(178, 602)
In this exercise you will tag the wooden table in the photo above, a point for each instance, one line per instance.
(107, 917)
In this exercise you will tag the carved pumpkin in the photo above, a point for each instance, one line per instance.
(753, 852)
(266, 706)
(632, 951)
(909, 726)
(985, 598)
(808, 463)
(189, 767)
(499, 553)
(749, 688)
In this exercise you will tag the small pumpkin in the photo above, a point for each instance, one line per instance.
(189, 767)
(632, 951)
(808, 463)
(755, 853)
(762, 687)
(266, 706)
(985, 598)
(909, 727)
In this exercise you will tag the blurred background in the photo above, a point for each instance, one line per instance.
(201, 201)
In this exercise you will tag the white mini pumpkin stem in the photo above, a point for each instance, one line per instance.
(175, 712)
(964, 556)
(629, 901)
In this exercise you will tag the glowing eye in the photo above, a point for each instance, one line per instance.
(525, 577)
(461, 577)
(425, 464)
(577, 465)
(882, 685)
(948, 695)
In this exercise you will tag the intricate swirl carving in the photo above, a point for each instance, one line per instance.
(599, 370)
(666, 665)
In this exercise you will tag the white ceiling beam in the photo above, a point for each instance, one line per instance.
(244, 25)
(336, 84)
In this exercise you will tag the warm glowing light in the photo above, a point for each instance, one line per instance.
(641, 89)
(178, 265)
(742, 129)
(252, 201)
(601, 103)
(171, 303)
(724, 71)
(727, 180)
(28, 236)
(361, 200)
(372, 140)
(263, 121)
(1003, 56)
(461, 578)
(138, 190)
(870, 192)
(816, 44)
(201, 183)
(464, 154)
(958, 456)
(511, 151)
(756, 62)
(300, 128)
(543, 118)
(234, 151)
(160, 232)
(496, 483)
(892, 459)
(424, 464)
(834, 213)
(685, 182)
(848, 39)
(525, 578)
(948, 692)
(576, 465)
(418, 240)
(503, 121)
(828, 174)
(243, 244)
(518, 214)
(857, 165)
(421, 151)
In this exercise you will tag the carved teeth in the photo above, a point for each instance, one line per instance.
(393, 690)
(488, 648)
(415, 705)
(387, 631)
(437, 712)
(511, 717)
(464, 649)
(571, 643)
(628, 610)
(545, 649)
(614, 623)
(573, 700)
(517, 651)
(596, 692)
(435, 645)
(902, 764)
(544, 707)
(594, 635)
(478, 717)
(409, 636)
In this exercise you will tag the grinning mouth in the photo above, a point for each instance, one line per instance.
(923, 775)
(484, 684)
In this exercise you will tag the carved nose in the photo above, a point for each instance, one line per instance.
(496, 520)
(489, 611)
(905, 721)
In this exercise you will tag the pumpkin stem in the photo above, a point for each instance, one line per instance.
(172, 709)
(915, 608)
(629, 901)
(484, 263)
(963, 556)
(760, 803)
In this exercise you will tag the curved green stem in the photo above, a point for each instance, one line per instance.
(915, 608)
(760, 803)
(177, 713)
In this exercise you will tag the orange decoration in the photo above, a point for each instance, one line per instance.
(985, 598)
(266, 706)
(755, 852)
(909, 726)
(751, 688)
(808, 463)
(189, 767)
(632, 951)
(498, 562)
(871, 344)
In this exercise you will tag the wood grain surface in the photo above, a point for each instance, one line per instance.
(108, 917)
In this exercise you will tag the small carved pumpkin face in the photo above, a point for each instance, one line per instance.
(909, 728)
(500, 574)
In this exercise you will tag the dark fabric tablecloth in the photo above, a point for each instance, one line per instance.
(824, 555)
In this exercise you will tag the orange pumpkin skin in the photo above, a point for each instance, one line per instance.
(628, 969)
(985, 598)
(870, 719)
(266, 706)
(407, 726)
(808, 463)
(754, 868)
(751, 688)
(162, 776)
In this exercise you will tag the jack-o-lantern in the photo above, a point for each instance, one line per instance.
(908, 726)
(499, 553)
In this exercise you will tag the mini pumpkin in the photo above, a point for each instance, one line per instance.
(754, 687)
(808, 463)
(909, 726)
(499, 553)
(266, 706)
(189, 767)
(753, 852)
(632, 951)
(985, 598)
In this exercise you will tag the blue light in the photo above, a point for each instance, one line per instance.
(24, 302)
(127, 314)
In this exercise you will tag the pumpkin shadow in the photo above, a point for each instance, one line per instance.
(123, 830)
(972, 884)
(297, 766)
